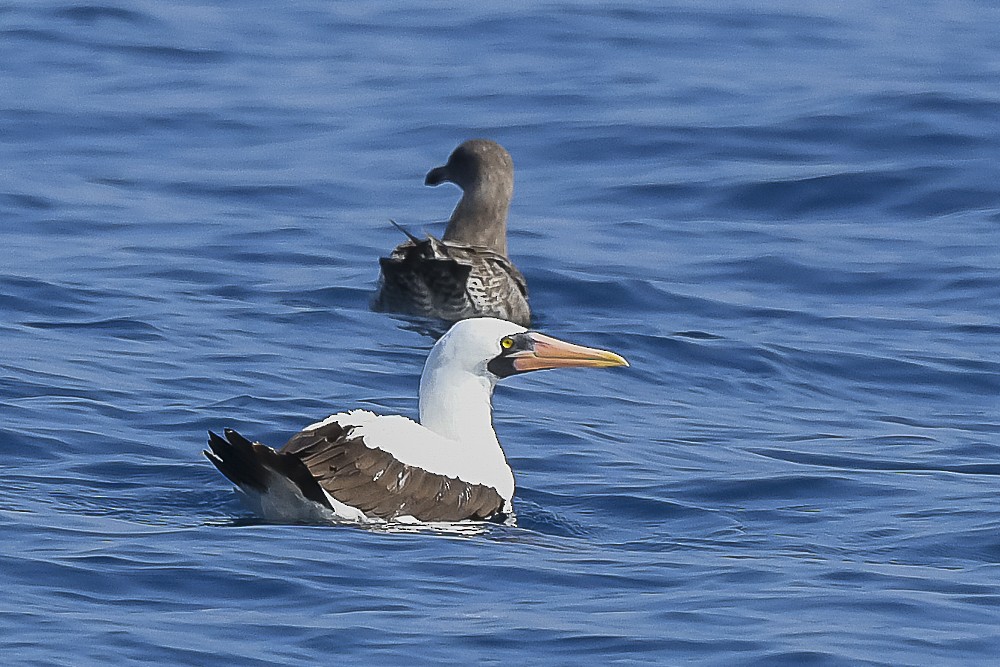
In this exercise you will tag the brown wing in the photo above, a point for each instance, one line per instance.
(504, 291)
(451, 281)
(420, 280)
(381, 486)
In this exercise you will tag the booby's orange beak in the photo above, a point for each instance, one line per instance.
(547, 352)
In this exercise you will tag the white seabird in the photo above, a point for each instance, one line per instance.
(467, 273)
(359, 466)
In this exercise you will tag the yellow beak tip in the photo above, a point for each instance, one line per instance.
(620, 361)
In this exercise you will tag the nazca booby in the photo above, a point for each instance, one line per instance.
(358, 466)
(466, 273)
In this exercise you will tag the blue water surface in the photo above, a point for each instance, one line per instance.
(786, 215)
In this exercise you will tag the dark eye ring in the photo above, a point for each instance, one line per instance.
(506, 342)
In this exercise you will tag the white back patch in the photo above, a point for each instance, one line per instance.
(413, 445)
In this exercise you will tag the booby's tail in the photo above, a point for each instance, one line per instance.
(257, 469)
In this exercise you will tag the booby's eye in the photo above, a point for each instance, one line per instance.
(506, 342)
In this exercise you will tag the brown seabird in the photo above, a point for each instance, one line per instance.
(466, 273)
(362, 467)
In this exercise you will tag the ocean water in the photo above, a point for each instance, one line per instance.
(786, 215)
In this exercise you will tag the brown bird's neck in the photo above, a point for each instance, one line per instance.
(480, 219)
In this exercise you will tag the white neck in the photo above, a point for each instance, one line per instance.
(457, 405)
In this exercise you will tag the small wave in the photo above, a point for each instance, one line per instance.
(118, 327)
(93, 13)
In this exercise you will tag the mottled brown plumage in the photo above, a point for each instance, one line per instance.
(467, 273)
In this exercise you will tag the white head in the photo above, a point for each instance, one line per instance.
(471, 344)
(468, 361)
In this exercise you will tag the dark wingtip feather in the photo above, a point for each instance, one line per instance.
(236, 439)
(246, 464)
(234, 457)
(404, 230)
(216, 443)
